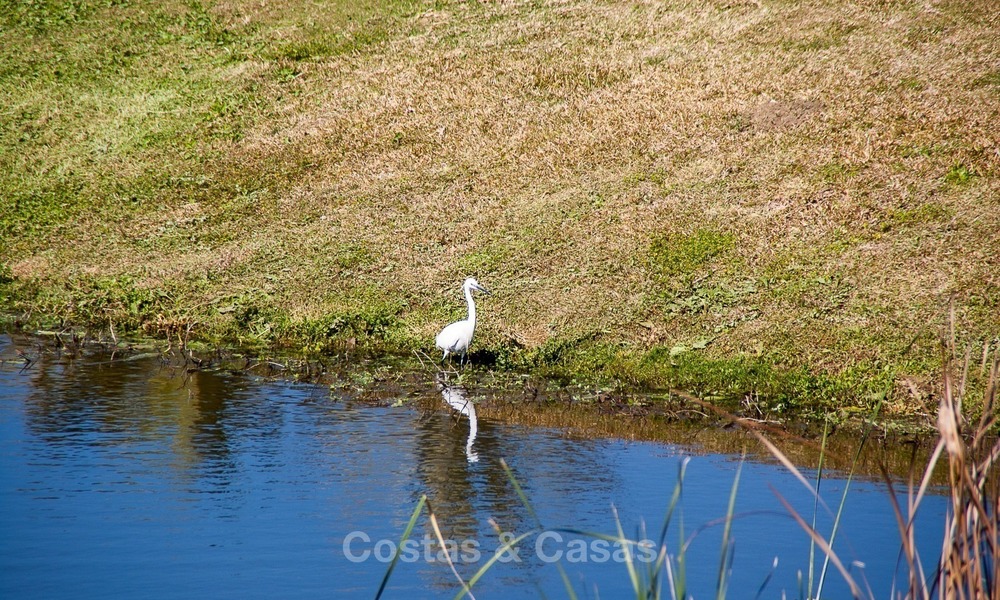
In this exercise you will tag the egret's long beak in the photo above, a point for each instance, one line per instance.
(484, 290)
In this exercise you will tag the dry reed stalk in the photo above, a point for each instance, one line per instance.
(970, 561)
(969, 566)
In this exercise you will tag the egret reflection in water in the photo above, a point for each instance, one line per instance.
(456, 397)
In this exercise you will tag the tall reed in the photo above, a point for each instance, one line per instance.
(970, 560)
(969, 565)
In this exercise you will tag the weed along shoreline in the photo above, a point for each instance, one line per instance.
(580, 404)
(578, 408)
(683, 388)
(779, 209)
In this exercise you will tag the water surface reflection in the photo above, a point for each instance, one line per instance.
(457, 398)
(142, 477)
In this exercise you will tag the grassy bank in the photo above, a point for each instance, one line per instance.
(771, 203)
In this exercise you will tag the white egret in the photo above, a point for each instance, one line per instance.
(455, 338)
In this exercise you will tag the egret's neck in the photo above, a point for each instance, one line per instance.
(471, 303)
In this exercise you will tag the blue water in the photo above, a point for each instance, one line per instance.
(126, 479)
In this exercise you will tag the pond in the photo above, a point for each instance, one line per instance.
(138, 475)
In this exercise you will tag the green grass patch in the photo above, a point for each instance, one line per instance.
(929, 212)
(674, 255)
(760, 388)
(822, 38)
(103, 302)
(990, 79)
(837, 172)
(706, 295)
(959, 174)
(351, 257)
(366, 318)
(766, 386)
(487, 260)
(685, 284)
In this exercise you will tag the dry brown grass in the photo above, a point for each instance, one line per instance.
(850, 150)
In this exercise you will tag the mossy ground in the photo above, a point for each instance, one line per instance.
(771, 202)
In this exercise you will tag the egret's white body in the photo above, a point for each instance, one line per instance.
(456, 338)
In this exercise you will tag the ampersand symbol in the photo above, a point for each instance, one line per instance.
(508, 554)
